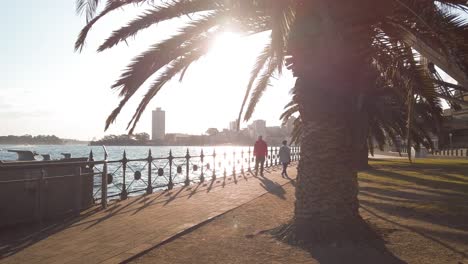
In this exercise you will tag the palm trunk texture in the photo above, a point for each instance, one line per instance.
(330, 70)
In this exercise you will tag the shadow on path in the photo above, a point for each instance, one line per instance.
(272, 187)
(415, 230)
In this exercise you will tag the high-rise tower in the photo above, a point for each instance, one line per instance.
(158, 124)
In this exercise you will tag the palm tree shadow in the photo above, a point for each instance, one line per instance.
(363, 245)
(443, 244)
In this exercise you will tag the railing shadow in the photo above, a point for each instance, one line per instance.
(16, 238)
(13, 243)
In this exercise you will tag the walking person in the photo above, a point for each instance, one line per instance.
(285, 157)
(260, 152)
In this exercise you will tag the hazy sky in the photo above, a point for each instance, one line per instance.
(47, 88)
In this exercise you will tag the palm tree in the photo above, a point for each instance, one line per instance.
(336, 50)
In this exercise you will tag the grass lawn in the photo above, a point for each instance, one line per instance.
(437, 186)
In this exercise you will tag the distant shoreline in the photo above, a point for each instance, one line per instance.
(172, 145)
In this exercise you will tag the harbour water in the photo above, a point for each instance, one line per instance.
(228, 159)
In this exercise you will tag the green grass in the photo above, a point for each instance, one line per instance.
(426, 186)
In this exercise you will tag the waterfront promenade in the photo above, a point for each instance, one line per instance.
(128, 228)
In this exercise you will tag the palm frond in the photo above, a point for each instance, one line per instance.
(166, 11)
(111, 6)
(262, 84)
(262, 59)
(171, 70)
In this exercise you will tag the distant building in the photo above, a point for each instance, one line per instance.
(158, 124)
(233, 125)
(257, 128)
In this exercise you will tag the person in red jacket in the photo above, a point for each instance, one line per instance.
(260, 152)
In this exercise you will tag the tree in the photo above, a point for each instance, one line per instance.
(142, 137)
(336, 50)
(212, 131)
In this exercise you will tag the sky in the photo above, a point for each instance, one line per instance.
(48, 88)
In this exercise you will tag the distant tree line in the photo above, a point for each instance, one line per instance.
(31, 140)
(123, 140)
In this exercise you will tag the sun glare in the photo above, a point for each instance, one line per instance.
(228, 54)
(226, 41)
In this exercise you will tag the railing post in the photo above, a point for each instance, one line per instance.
(124, 193)
(104, 182)
(149, 189)
(276, 156)
(213, 177)
(187, 168)
(271, 156)
(266, 159)
(170, 185)
(202, 177)
(250, 168)
(225, 172)
(234, 163)
(242, 161)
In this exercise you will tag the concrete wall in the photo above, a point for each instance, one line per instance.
(29, 195)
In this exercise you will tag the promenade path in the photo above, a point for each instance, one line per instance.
(133, 226)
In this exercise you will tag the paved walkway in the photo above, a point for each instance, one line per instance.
(140, 223)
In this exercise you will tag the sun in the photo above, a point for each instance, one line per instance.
(226, 43)
(228, 54)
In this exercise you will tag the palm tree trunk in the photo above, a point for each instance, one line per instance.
(331, 69)
(362, 148)
(326, 192)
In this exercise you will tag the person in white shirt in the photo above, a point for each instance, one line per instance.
(285, 157)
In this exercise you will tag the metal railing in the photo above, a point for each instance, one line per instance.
(127, 176)
(451, 153)
(123, 177)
